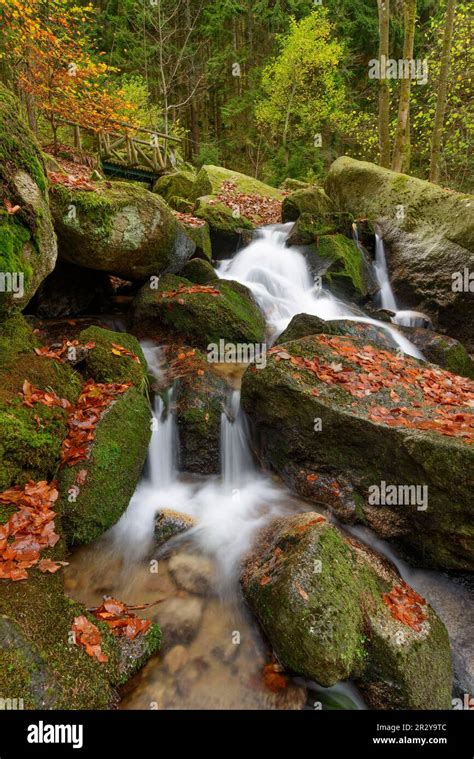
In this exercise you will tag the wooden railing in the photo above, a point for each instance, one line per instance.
(129, 148)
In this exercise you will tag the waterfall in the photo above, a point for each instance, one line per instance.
(236, 459)
(280, 280)
(163, 450)
(387, 298)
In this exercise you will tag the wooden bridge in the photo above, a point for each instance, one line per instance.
(136, 153)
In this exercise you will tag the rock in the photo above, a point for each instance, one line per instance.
(28, 249)
(227, 224)
(442, 350)
(312, 201)
(113, 470)
(200, 398)
(347, 268)
(30, 438)
(179, 619)
(303, 325)
(70, 291)
(201, 236)
(319, 598)
(210, 179)
(121, 228)
(133, 654)
(192, 572)
(176, 658)
(170, 523)
(308, 228)
(199, 271)
(434, 516)
(198, 317)
(290, 185)
(103, 365)
(426, 229)
(177, 184)
(181, 204)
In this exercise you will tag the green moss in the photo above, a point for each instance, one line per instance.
(18, 146)
(113, 469)
(210, 178)
(105, 366)
(199, 318)
(348, 257)
(220, 217)
(199, 271)
(16, 336)
(179, 183)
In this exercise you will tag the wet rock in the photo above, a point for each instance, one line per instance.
(106, 363)
(350, 441)
(179, 619)
(199, 271)
(312, 201)
(319, 597)
(170, 523)
(442, 350)
(426, 229)
(192, 572)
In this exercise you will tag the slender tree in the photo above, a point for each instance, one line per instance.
(384, 89)
(400, 158)
(442, 92)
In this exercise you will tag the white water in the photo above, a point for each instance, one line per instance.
(404, 318)
(280, 280)
(236, 460)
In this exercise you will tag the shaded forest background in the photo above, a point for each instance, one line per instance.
(272, 88)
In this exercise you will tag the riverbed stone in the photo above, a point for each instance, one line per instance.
(319, 597)
(303, 325)
(442, 350)
(192, 572)
(179, 619)
(170, 523)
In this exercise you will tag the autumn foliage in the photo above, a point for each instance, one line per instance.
(84, 417)
(406, 606)
(437, 397)
(256, 208)
(29, 530)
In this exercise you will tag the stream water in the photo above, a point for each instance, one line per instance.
(214, 655)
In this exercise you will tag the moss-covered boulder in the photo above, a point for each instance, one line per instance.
(201, 236)
(303, 325)
(39, 663)
(426, 229)
(319, 597)
(107, 362)
(308, 228)
(211, 178)
(95, 500)
(28, 249)
(200, 398)
(120, 227)
(199, 271)
(341, 420)
(342, 265)
(442, 350)
(177, 184)
(312, 201)
(290, 185)
(197, 314)
(227, 218)
(30, 438)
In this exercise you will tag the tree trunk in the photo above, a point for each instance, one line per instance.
(403, 125)
(442, 92)
(384, 89)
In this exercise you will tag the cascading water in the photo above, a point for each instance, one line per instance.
(403, 318)
(236, 459)
(280, 279)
